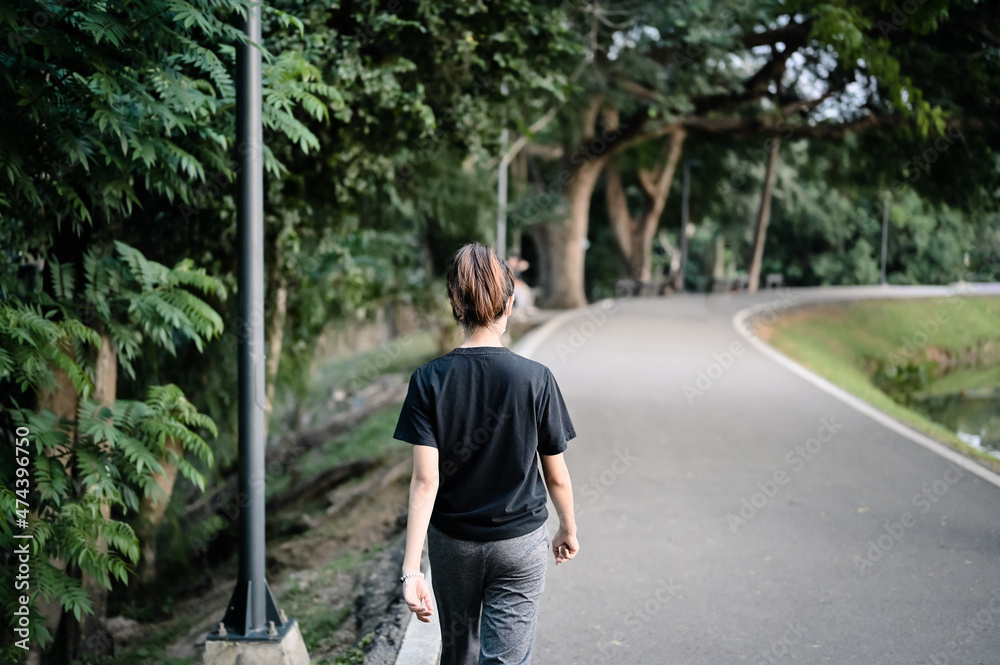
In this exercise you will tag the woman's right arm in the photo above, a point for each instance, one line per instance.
(564, 545)
(423, 492)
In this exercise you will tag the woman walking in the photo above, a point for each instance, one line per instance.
(479, 417)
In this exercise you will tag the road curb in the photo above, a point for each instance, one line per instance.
(421, 643)
(739, 321)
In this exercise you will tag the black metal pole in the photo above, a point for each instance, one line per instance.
(250, 234)
(685, 214)
(885, 235)
(252, 610)
(685, 192)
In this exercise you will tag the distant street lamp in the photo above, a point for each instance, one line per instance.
(885, 233)
(502, 190)
(685, 214)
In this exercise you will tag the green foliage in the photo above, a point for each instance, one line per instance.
(111, 103)
(126, 295)
(106, 457)
(112, 461)
(903, 382)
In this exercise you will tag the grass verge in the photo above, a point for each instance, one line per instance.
(842, 342)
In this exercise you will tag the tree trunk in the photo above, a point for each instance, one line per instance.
(274, 346)
(657, 188)
(635, 236)
(62, 401)
(719, 258)
(567, 248)
(93, 635)
(153, 508)
(763, 216)
(563, 245)
(567, 240)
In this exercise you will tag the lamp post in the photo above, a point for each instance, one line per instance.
(885, 234)
(502, 189)
(252, 626)
(502, 198)
(685, 214)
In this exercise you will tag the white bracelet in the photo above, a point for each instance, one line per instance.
(408, 575)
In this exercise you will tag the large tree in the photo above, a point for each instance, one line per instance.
(772, 69)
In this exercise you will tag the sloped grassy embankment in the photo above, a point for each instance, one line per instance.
(893, 352)
(323, 552)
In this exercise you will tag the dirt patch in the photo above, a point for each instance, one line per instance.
(792, 318)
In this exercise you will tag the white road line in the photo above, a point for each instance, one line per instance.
(739, 322)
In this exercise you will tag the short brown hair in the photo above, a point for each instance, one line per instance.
(479, 285)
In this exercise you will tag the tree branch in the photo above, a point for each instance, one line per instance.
(786, 33)
(621, 220)
(522, 140)
(638, 90)
(666, 177)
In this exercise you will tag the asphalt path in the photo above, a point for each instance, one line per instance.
(730, 511)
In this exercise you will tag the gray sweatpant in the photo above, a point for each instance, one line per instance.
(487, 596)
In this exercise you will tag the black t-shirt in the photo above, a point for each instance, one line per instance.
(488, 411)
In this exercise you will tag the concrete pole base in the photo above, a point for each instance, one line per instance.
(290, 650)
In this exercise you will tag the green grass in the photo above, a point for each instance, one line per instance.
(843, 342)
(318, 621)
(153, 646)
(372, 438)
(404, 355)
(971, 379)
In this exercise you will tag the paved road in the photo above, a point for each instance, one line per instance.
(852, 544)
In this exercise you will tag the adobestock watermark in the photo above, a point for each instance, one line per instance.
(376, 364)
(769, 313)
(985, 620)
(894, 531)
(29, 26)
(225, 512)
(724, 360)
(366, 33)
(868, 218)
(598, 484)
(754, 159)
(781, 647)
(707, 377)
(897, 18)
(920, 164)
(429, 145)
(911, 345)
(796, 460)
(463, 449)
(545, 198)
(579, 334)
(607, 652)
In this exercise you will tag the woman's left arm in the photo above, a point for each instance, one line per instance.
(423, 491)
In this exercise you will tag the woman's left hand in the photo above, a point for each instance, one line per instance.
(418, 598)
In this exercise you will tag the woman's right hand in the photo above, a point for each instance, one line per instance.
(417, 595)
(565, 545)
